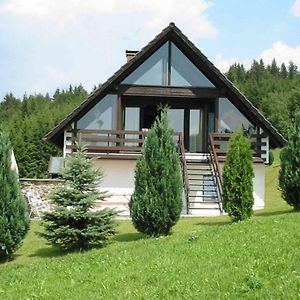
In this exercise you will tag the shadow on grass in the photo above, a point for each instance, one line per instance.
(49, 252)
(128, 237)
(273, 213)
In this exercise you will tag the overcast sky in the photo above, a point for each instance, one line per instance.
(49, 44)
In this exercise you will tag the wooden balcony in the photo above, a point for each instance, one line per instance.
(125, 144)
(219, 143)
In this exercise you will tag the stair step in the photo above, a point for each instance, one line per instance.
(199, 172)
(204, 212)
(201, 183)
(198, 167)
(203, 199)
(197, 161)
(202, 187)
(204, 205)
(201, 191)
(206, 177)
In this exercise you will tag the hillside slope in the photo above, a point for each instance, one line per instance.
(204, 258)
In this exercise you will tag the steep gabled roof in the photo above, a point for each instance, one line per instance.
(198, 58)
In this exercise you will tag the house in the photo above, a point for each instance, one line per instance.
(205, 109)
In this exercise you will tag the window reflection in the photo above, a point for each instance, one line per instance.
(153, 71)
(184, 72)
(102, 116)
(176, 119)
(231, 119)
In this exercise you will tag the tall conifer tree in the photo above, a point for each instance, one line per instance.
(289, 174)
(237, 178)
(14, 221)
(157, 200)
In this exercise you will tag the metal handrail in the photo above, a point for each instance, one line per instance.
(216, 171)
(181, 152)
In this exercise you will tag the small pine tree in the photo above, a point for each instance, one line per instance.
(72, 225)
(156, 203)
(289, 174)
(237, 178)
(14, 221)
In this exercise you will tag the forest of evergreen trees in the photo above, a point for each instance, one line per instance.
(274, 89)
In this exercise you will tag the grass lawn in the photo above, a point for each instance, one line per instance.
(204, 258)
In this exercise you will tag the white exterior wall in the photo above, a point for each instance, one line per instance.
(265, 156)
(67, 142)
(258, 185)
(118, 181)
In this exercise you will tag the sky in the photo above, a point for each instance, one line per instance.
(45, 45)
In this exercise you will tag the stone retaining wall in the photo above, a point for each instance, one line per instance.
(43, 186)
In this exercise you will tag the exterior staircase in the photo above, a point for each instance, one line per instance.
(203, 198)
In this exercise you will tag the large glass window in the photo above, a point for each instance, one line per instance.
(176, 119)
(153, 71)
(231, 119)
(168, 66)
(184, 72)
(102, 116)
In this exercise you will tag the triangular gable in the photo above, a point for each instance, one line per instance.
(196, 57)
(168, 66)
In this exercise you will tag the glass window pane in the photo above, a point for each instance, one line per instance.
(211, 122)
(102, 116)
(153, 71)
(196, 130)
(132, 118)
(231, 119)
(132, 122)
(176, 119)
(184, 72)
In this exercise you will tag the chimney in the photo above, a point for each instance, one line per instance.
(130, 54)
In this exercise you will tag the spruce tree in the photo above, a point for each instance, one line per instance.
(14, 221)
(237, 178)
(289, 174)
(73, 225)
(156, 203)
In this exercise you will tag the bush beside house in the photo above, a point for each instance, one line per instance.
(156, 203)
(73, 225)
(237, 178)
(14, 221)
(289, 174)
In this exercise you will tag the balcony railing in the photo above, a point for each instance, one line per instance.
(219, 143)
(112, 143)
(115, 143)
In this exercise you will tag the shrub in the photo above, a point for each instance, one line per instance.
(237, 178)
(14, 221)
(271, 157)
(73, 225)
(289, 174)
(156, 203)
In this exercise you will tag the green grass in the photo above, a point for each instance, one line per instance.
(205, 258)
